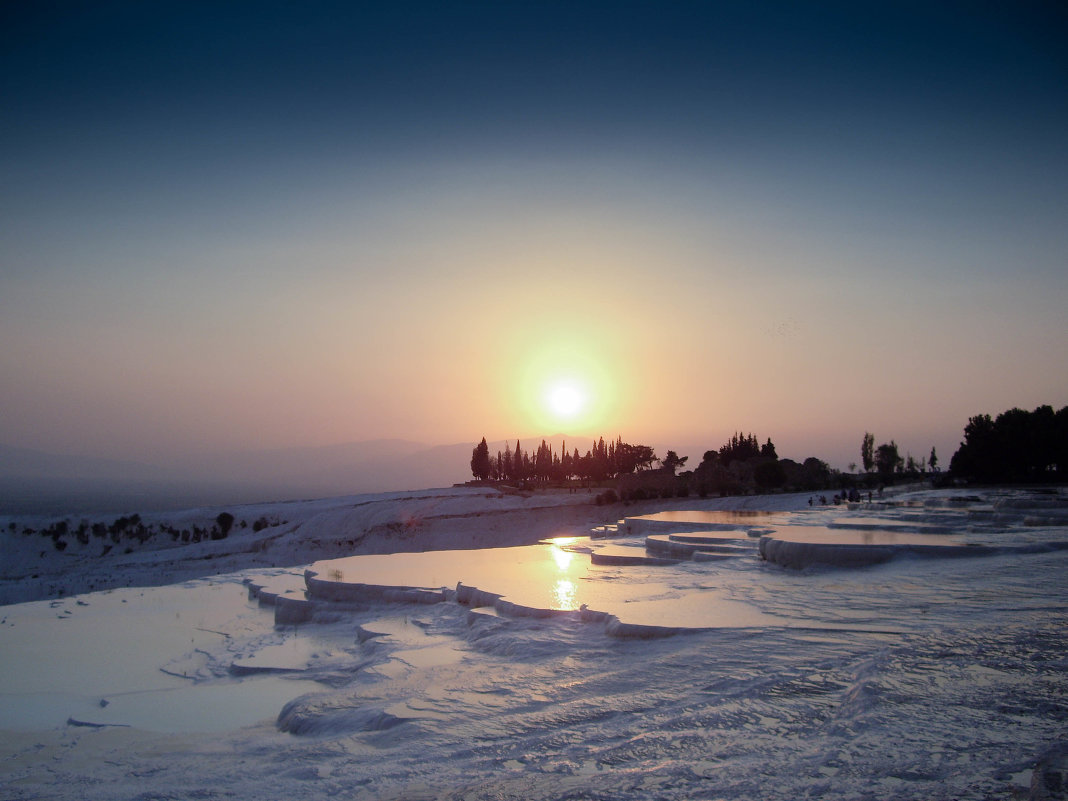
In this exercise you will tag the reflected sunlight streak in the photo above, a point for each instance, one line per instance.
(561, 557)
(563, 541)
(564, 597)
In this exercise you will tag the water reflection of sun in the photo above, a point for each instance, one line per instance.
(564, 596)
(564, 592)
(562, 558)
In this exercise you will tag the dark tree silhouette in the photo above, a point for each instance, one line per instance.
(769, 475)
(603, 461)
(817, 473)
(520, 462)
(1017, 446)
(867, 452)
(887, 459)
(480, 461)
(739, 465)
(225, 522)
(508, 472)
(673, 461)
(742, 447)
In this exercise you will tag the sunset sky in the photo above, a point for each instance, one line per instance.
(264, 224)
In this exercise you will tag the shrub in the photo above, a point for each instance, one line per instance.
(225, 521)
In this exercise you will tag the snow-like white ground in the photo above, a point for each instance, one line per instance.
(299, 532)
(919, 678)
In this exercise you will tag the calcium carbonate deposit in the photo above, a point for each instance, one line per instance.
(693, 669)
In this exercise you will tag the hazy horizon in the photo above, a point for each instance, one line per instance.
(257, 227)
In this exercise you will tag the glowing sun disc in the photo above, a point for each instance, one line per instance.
(566, 400)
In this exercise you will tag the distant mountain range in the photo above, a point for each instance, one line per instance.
(37, 482)
(22, 463)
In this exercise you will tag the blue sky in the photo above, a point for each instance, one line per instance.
(265, 224)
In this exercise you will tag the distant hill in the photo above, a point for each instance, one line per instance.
(33, 481)
(38, 482)
(30, 464)
(334, 465)
(373, 466)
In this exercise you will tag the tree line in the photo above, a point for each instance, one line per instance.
(600, 462)
(1016, 446)
(742, 464)
(886, 460)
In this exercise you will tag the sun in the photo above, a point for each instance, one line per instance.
(564, 385)
(565, 401)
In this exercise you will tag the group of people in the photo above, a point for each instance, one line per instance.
(851, 495)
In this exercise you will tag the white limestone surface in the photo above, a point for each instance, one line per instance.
(911, 679)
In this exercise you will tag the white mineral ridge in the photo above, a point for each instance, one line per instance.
(917, 678)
